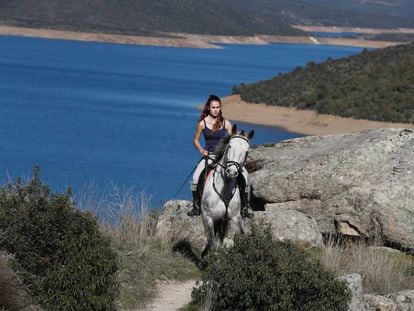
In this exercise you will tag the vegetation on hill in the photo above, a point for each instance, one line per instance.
(59, 253)
(224, 17)
(402, 9)
(258, 273)
(328, 13)
(375, 85)
(65, 260)
(140, 17)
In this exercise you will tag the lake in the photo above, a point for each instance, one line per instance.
(106, 113)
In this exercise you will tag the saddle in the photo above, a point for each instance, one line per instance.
(203, 177)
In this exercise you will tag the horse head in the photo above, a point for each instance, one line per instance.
(236, 152)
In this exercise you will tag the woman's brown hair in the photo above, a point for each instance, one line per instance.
(206, 112)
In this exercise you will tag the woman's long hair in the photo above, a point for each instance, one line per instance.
(206, 112)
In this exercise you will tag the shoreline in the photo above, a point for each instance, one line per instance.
(185, 40)
(306, 122)
(339, 29)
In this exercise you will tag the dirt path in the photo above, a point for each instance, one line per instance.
(172, 296)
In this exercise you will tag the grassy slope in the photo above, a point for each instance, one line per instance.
(375, 85)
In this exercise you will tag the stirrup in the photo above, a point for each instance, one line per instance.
(194, 212)
(246, 213)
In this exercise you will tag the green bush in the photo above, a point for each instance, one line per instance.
(260, 274)
(60, 253)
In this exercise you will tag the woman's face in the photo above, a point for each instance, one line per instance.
(214, 108)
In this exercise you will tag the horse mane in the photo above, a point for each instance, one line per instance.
(221, 147)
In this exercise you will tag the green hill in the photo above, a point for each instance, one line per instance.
(374, 85)
(220, 17)
(139, 17)
(331, 12)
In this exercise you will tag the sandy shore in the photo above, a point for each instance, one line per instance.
(298, 121)
(336, 29)
(186, 40)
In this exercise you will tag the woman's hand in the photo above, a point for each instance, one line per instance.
(204, 153)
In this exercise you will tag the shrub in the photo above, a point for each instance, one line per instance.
(258, 273)
(60, 253)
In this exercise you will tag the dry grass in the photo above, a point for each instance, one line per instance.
(383, 271)
(144, 259)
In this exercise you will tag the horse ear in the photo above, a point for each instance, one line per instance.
(234, 130)
(250, 134)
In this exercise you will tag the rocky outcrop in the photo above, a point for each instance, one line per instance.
(291, 225)
(401, 301)
(378, 303)
(404, 300)
(286, 225)
(357, 184)
(354, 282)
(175, 226)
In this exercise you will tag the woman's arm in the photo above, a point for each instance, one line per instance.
(228, 126)
(196, 140)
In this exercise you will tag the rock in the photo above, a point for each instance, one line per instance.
(175, 226)
(358, 184)
(378, 303)
(291, 225)
(404, 300)
(354, 282)
(287, 225)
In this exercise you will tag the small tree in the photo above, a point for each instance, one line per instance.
(258, 273)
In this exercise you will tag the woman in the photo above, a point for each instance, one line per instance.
(214, 127)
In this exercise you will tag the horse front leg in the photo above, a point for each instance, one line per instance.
(209, 230)
(234, 226)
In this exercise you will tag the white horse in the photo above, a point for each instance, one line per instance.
(221, 201)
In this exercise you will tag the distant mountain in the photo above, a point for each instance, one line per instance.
(220, 17)
(140, 17)
(331, 12)
(374, 85)
(403, 9)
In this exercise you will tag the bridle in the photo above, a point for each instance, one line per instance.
(226, 164)
(238, 165)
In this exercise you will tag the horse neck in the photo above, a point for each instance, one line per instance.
(220, 178)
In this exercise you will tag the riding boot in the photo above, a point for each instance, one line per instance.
(246, 210)
(196, 211)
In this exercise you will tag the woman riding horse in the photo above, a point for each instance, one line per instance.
(214, 128)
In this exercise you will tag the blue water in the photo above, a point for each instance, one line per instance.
(335, 34)
(93, 112)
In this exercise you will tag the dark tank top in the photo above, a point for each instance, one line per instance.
(213, 138)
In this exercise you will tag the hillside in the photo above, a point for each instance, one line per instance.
(225, 17)
(374, 85)
(328, 13)
(397, 8)
(139, 17)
